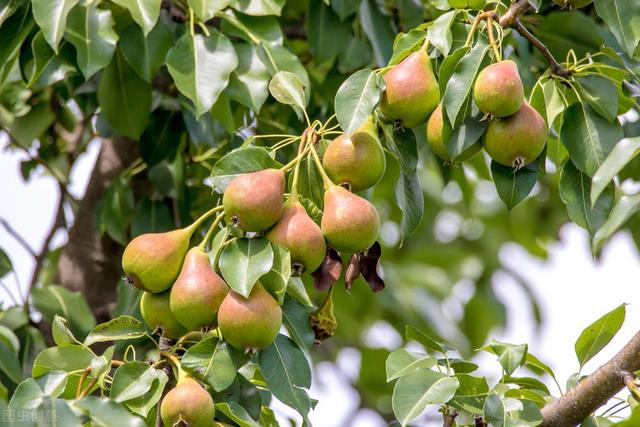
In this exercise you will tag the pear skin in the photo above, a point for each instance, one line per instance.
(412, 91)
(188, 404)
(198, 292)
(254, 201)
(156, 313)
(250, 323)
(516, 140)
(435, 139)
(349, 222)
(152, 261)
(297, 232)
(498, 89)
(357, 160)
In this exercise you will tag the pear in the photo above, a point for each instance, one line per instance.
(152, 261)
(498, 89)
(254, 201)
(187, 404)
(198, 292)
(250, 323)
(349, 222)
(356, 160)
(435, 139)
(297, 232)
(412, 91)
(572, 4)
(516, 140)
(156, 313)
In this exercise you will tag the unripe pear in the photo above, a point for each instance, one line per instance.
(572, 4)
(356, 160)
(152, 261)
(156, 313)
(254, 201)
(498, 89)
(412, 91)
(198, 291)
(297, 232)
(250, 323)
(435, 138)
(349, 222)
(187, 404)
(516, 140)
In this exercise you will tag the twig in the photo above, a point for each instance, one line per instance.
(449, 418)
(13, 233)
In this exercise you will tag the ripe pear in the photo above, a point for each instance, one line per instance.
(250, 323)
(349, 222)
(156, 313)
(152, 261)
(498, 89)
(435, 139)
(297, 232)
(187, 404)
(198, 292)
(412, 91)
(254, 201)
(356, 160)
(516, 140)
(572, 4)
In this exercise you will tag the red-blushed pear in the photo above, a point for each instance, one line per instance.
(516, 140)
(254, 201)
(152, 261)
(435, 139)
(498, 89)
(252, 323)
(356, 160)
(297, 232)
(198, 291)
(412, 91)
(349, 222)
(187, 404)
(156, 313)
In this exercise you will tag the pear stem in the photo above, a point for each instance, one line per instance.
(325, 178)
(212, 228)
(203, 218)
(175, 363)
(295, 161)
(302, 151)
(474, 27)
(492, 39)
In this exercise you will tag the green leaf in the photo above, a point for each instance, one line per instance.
(412, 333)
(116, 210)
(120, 328)
(495, 412)
(144, 12)
(241, 161)
(249, 83)
(6, 266)
(146, 54)
(287, 373)
(237, 413)
(405, 44)
(310, 185)
(16, 29)
(62, 335)
(513, 185)
(211, 361)
(9, 363)
(601, 94)
(624, 209)
(575, 189)
(410, 200)
(532, 362)
(275, 281)
(54, 299)
(48, 68)
(201, 66)
(546, 99)
(458, 141)
(287, 88)
(295, 317)
(378, 29)
(8, 8)
(68, 358)
(207, 9)
(357, 97)
(325, 31)
(105, 412)
(403, 362)
(403, 144)
(624, 151)
(296, 289)
(439, 32)
(90, 31)
(510, 356)
(448, 67)
(52, 383)
(588, 137)
(412, 393)
(244, 261)
(51, 16)
(345, 8)
(258, 7)
(27, 395)
(597, 335)
(279, 58)
(621, 18)
(139, 386)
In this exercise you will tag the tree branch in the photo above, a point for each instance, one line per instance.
(595, 390)
(13, 233)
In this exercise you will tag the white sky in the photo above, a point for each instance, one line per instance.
(573, 289)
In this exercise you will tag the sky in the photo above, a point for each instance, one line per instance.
(573, 289)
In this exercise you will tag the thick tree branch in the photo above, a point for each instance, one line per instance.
(595, 390)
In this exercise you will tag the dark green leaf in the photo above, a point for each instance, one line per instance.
(6, 266)
(295, 317)
(138, 385)
(325, 32)
(144, 12)
(120, 328)
(51, 16)
(597, 335)
(601, 94)
(240, 161)
(116, 210)
(439, 32)
(620, 16)
(258, 7)
(244, 261)
(146, 53)
(357, 97)
(210, 360)
(249, 83)
(513, 185)
(378, 29)
(207, 9)
(410, 200)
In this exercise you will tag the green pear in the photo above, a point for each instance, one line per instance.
(254, 201)
(412, 91)
(435, 139)
(297, 232)
(187, 404)
(572, 4)
(516, 140)
(356, 160)
(349, 222)
(156, 313)
(498, 89)
(152, 261)
(250, 323)
(198, 292)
